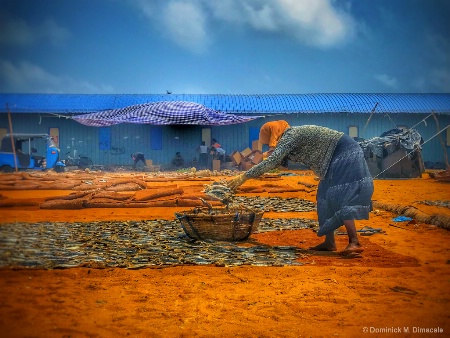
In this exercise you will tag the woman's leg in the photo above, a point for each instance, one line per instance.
(353, 242)
(328, 245)
(323, 213)
(344, 195)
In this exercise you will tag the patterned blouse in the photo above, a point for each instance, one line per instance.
(310, 145)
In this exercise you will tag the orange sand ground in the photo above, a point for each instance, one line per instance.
(401, 282)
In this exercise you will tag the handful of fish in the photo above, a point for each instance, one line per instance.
(220, 192)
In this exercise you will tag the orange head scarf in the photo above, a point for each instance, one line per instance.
(271, 132)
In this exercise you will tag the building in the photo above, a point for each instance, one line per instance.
(358, 115)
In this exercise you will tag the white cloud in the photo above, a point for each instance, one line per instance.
(387, 80)
(18, 32)
(313, 22)
(26, 77)
(149, 9)
(190, 23)
(186, 25)
(262, 18)
(317, 22)
(182, 21)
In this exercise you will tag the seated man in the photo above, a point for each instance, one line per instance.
(178, 160)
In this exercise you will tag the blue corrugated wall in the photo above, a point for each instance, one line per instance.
(128, 138)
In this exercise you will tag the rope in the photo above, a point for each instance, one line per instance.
(423, 120)
(390, 119)
(412, 151)
(58, 116)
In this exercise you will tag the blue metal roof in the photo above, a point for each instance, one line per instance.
(245, 104)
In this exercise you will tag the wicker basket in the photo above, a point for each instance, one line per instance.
(220, 224)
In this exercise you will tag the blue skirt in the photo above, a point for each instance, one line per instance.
(345, 193)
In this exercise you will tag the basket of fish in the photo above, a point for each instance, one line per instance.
(220, 224)
(233, 222)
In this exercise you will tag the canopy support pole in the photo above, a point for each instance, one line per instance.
(12, 138)
(447, 166)
(368, 120)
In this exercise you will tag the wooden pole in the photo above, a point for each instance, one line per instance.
(447, 166)
(368, 120)
(12, 138)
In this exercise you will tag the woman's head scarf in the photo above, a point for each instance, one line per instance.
(271, 132)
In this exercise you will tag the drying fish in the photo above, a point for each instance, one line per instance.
(132, 245)
(276, 204)
(220, 192)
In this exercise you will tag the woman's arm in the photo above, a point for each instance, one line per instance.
(283, 148)
(281, 151)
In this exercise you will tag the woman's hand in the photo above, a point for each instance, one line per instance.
(268, 153)
(236, 181)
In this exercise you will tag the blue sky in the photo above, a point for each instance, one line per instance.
(224, 46)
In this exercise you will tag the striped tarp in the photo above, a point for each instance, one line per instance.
(162, 113)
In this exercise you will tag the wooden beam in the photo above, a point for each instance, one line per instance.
(447, 165)
(12, 138)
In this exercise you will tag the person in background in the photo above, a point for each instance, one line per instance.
(136, 158)
(178, 160)
(202, 151)
(218, 153)
(215, 144)
(345, 190)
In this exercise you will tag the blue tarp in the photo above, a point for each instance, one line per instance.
(162, 113)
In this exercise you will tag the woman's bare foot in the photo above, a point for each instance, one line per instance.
(324, 247)
(353, 248)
